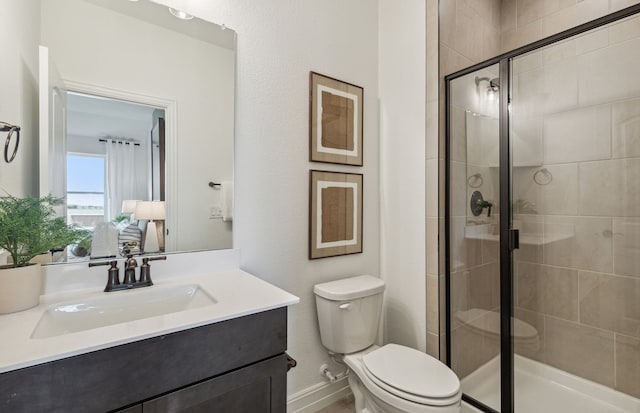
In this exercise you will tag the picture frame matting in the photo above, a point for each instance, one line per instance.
(335, 121)
(335, 213)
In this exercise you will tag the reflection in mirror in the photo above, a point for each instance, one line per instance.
(112, 149)
(137, 105)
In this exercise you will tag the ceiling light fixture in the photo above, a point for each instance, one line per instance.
(180, 14)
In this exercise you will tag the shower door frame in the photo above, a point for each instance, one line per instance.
(508, 235)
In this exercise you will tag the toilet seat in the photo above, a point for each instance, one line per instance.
(386, 389)
(411, 375)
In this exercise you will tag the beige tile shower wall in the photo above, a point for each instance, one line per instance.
(582, 293)
(525, 21)
(468, 32)
(470, 28)
(431, 179)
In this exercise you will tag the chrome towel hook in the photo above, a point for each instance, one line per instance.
(6, 127)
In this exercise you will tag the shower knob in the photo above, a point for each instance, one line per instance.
(478, 203)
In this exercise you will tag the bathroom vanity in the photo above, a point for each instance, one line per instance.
(226, 355)
(237, 365)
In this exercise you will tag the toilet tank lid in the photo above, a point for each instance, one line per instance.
(350, 288)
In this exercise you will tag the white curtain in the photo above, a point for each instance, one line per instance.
(120, 176)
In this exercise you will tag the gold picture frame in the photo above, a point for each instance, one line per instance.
(335, 121)
(335, 214)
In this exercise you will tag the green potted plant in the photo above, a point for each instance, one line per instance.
(29, 227)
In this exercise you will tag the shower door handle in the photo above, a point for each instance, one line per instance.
(514, 239)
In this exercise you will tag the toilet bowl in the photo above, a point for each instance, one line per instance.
(398, 379)
(387, 379)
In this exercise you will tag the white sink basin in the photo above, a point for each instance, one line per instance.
(119, 307)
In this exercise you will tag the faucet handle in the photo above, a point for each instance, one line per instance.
(113, 277)
(145, 268)
(101, 263)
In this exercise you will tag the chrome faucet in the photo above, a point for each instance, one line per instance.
(129, 282)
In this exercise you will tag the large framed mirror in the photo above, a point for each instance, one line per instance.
(137, 125)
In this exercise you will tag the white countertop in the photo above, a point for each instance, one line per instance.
(237, 293)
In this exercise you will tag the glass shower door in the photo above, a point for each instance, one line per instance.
(473, 245)
(543, 309)
(575, 136)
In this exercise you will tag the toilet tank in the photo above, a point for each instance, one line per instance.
(349, 312)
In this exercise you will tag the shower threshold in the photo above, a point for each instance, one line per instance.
(542, 388)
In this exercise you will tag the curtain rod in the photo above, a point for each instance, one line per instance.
(119, 141)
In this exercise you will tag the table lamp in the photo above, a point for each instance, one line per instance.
(151, 211)
(129, 207)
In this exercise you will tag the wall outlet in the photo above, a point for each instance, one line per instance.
(215, 212)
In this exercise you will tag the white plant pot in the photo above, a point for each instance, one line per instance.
(19, 288)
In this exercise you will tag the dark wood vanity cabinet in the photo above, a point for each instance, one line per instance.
(259, 387)
(237, 365)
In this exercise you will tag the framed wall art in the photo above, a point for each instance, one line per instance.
(335, 130)
(335, 214)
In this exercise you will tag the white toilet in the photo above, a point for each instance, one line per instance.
(387, 379)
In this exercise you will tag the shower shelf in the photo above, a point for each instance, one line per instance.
(482, 232)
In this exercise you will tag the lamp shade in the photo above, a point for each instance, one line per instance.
(129, 206)
(150, 210)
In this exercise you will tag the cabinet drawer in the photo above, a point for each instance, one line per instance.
(259, 388)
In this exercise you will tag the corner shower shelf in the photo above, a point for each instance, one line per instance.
(482, 232)
(488, 322)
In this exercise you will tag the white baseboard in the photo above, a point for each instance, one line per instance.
(318, 396)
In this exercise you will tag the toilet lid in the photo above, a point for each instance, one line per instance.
(412, 371)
